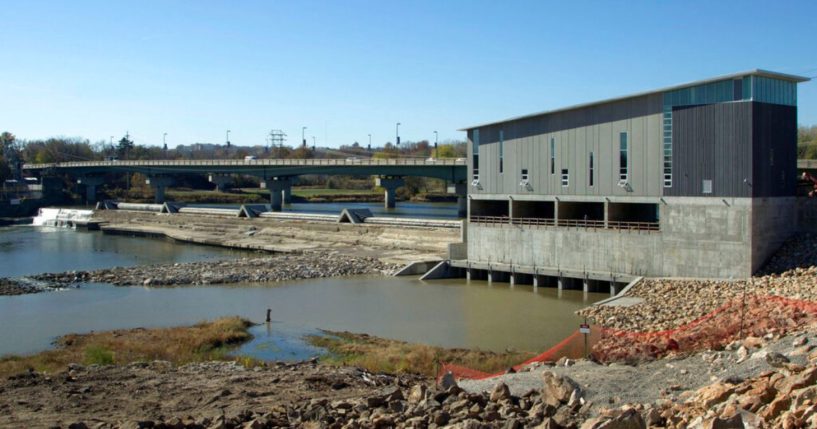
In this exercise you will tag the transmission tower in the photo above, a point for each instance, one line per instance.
(276, 139)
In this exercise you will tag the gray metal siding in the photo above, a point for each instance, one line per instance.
(775, 150)
(712, 142)
(576, 134)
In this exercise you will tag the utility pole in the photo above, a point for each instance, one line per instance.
(313, 143)
(370, 143)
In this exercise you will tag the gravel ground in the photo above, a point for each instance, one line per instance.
(616, 384)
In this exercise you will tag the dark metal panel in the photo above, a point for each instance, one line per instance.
(775, 150)
(711, 142)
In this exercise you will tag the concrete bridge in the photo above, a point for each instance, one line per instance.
(275, 174)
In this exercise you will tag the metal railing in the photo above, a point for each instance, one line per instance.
(255, 162)
(641, 226)
(581, 223)
(568, 223)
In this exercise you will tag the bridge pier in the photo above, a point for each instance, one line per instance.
(277, 186)
(159, 184)
(221, 181)
(390, 184)
(287, 192)
(91, 183)
(461, 190)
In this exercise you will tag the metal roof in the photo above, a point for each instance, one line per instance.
(755, 72)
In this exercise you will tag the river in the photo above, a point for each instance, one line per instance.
(449, 313)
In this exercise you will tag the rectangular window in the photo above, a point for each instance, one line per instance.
(525, 175)
(623, 171)
(590, 169)
(552, 156)
(565, 177)
(667, 146)
(737, 89)
(475, 155)
(501, 150)
(707, 187)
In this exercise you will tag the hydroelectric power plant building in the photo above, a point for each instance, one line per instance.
(696, 180)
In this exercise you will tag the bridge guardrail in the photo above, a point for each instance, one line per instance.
(253, 162)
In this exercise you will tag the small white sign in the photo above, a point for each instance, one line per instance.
(584, 328)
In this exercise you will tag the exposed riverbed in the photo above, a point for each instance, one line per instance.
(449, 313)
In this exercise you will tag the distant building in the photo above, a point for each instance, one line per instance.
(695, 180)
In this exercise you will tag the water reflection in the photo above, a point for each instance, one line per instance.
(449, 313)
(32, 250)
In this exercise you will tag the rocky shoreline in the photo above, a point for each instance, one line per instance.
(244, 270)
(11, 287)
(670, 303)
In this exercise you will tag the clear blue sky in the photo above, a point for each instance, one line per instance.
(347, 68)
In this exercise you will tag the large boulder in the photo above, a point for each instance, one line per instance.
(558, 388)
(629, 419)
(500, 392)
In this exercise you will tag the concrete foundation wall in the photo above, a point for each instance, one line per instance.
(699, 237)
(774, 220)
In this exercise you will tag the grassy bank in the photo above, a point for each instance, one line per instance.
(201, 342)
(383, 355)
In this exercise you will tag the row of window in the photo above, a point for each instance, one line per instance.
(623, 161)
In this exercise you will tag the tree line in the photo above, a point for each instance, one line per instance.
(807, 142)
(14, 152)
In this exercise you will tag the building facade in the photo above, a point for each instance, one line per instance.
(696, 180)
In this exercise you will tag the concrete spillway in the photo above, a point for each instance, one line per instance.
(69, 218)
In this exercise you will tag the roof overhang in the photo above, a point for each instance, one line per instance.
(755, 72)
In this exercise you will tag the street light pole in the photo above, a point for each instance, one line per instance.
(228, 138)
(313, 143)
(303, 138)
(370, 143)
(164, 141)
(397, 135)
(435, 144)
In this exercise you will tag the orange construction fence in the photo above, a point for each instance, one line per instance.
(750, 315)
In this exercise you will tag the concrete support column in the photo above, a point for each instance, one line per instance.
(560, 284)
(91, 183)
(512, 279)
(286, 193)
(390, 184)
(586, 285)
(490, 276)
(468, 274)
(613, 289)
(276, 187)
(159, 184)
(606, 213)
(461, 190)
(556, 213)
(535, 282)
(221, 181)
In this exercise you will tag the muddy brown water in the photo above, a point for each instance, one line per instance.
(449, 313)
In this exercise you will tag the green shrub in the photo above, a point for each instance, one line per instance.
(98, 355)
